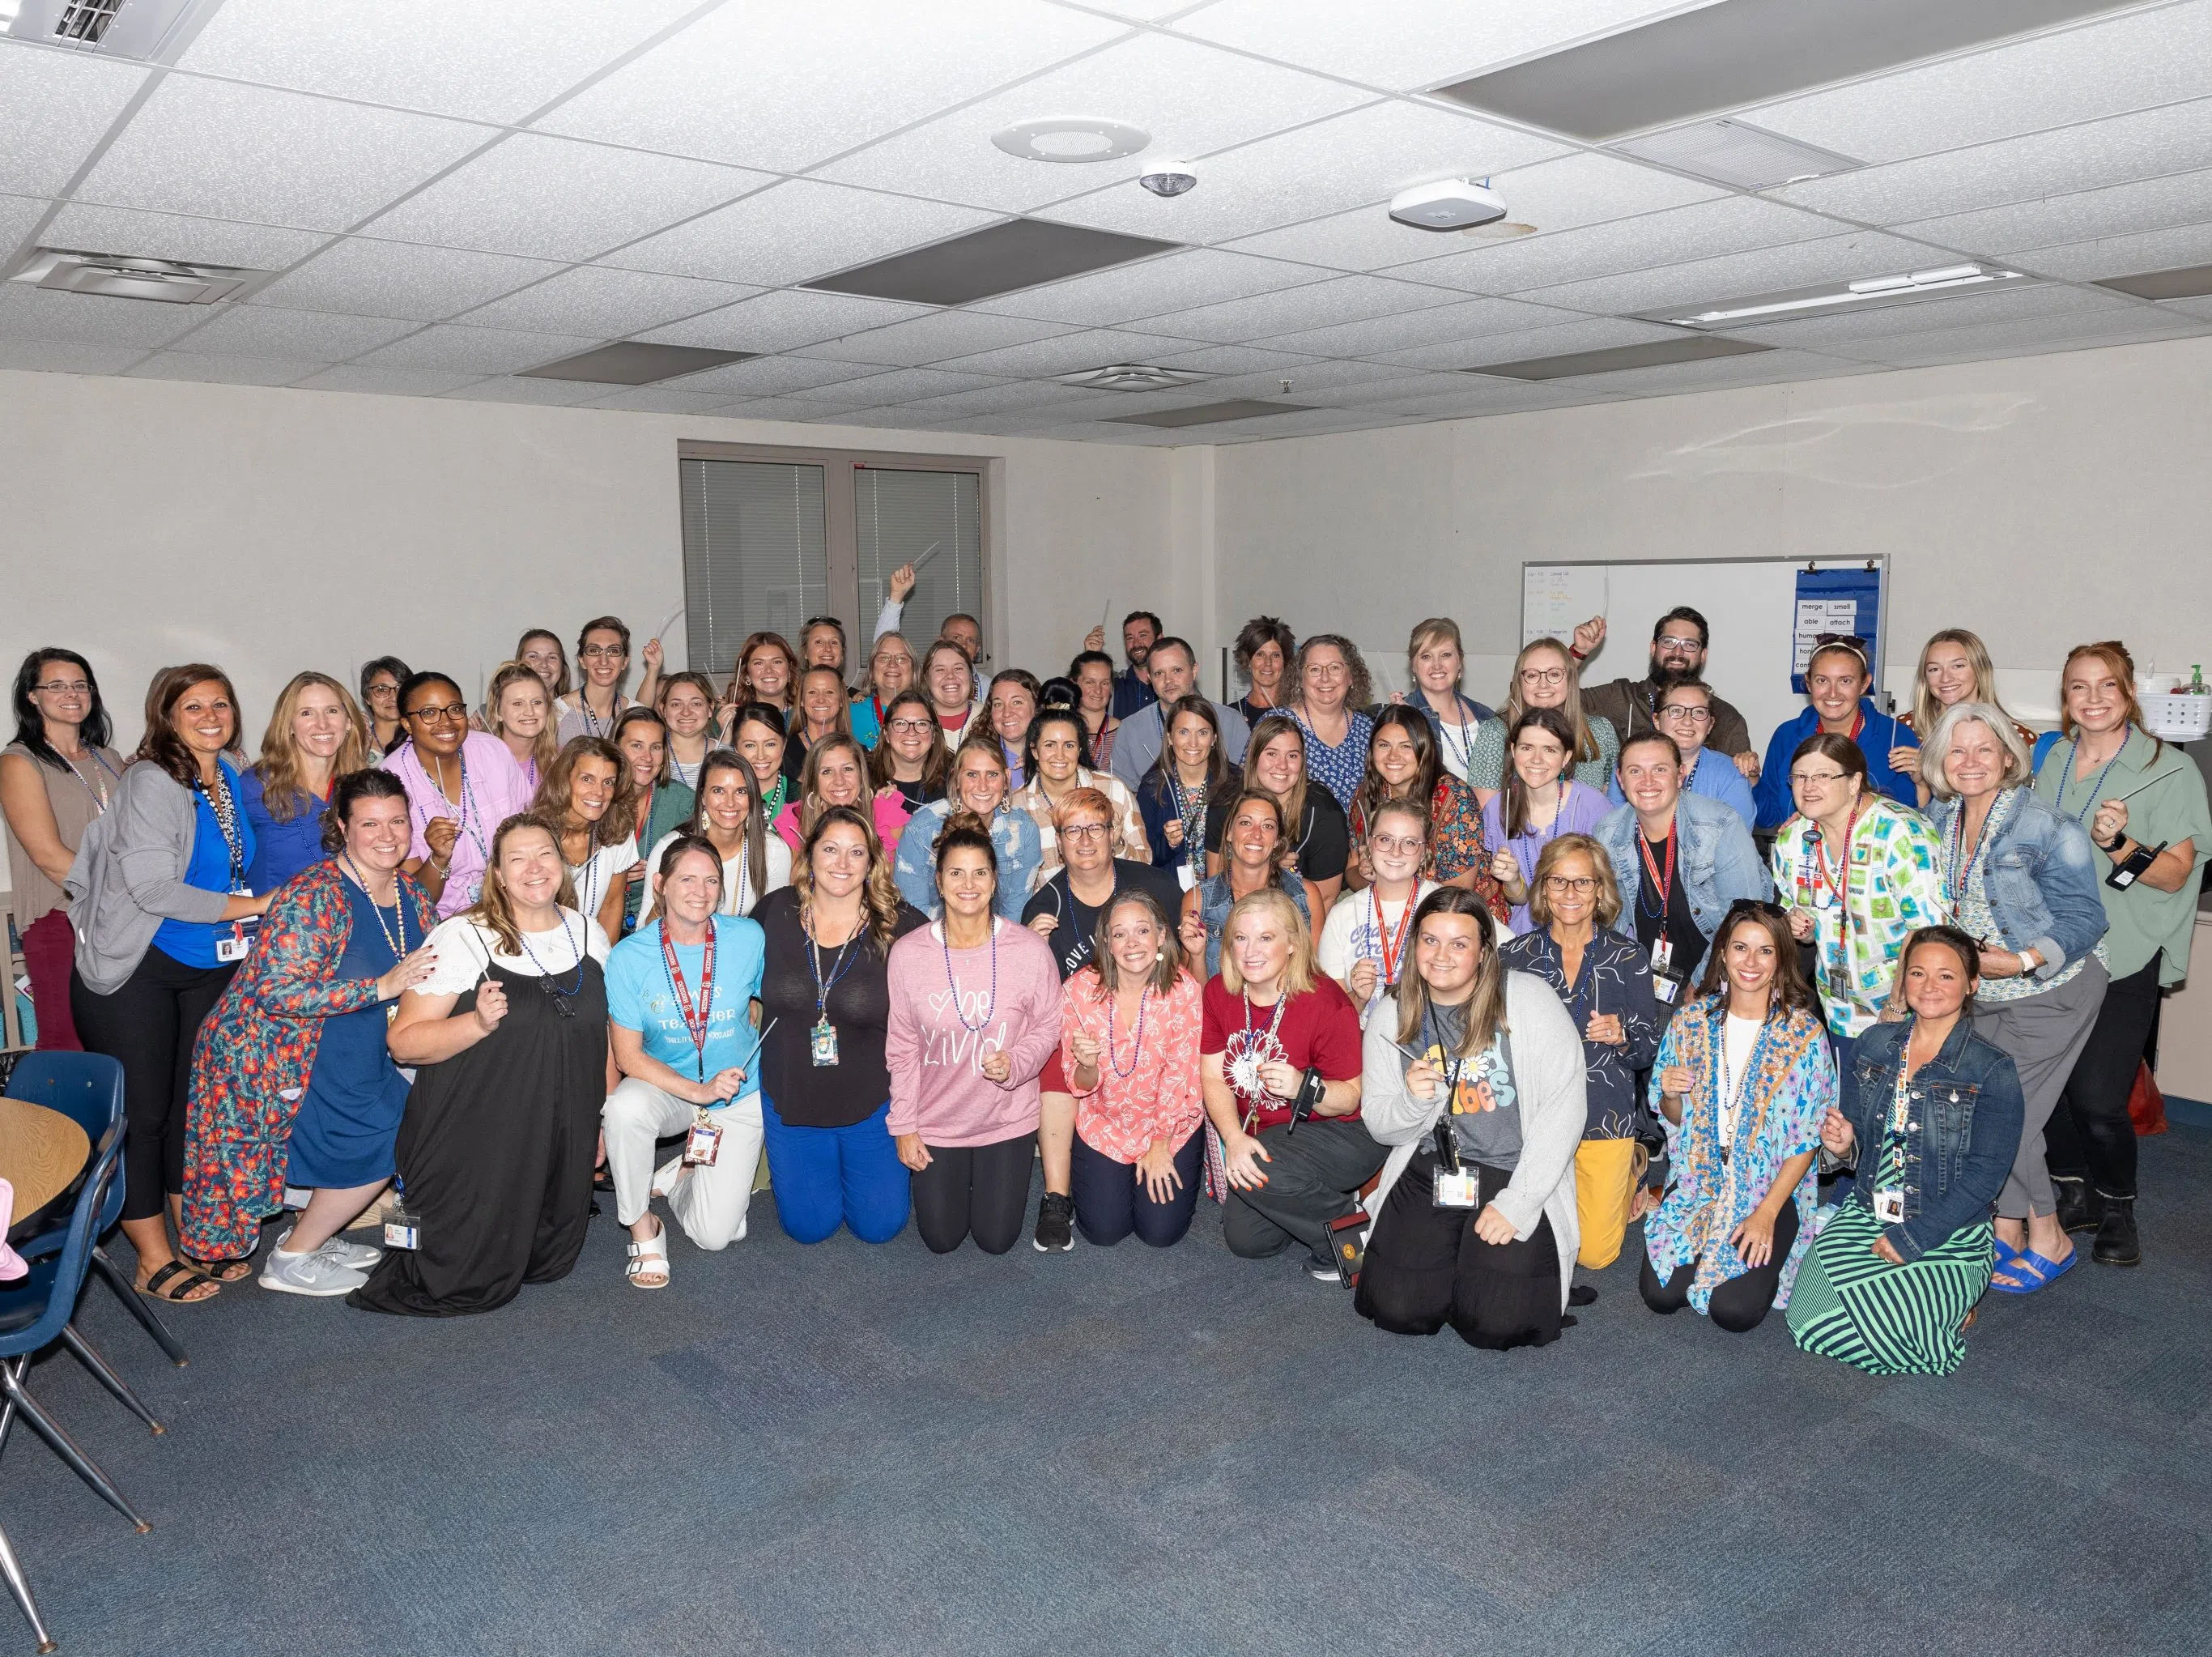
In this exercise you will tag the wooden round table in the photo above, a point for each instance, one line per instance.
(42, 1152)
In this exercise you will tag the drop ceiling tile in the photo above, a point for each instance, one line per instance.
(2149, 144)
(1345, 299)
(66, 357)
(218, 149)
(485, 59)
(2198, 309)
(59, 105)
(1468, 320)
(933, 337)
(2122, 209)
(773, 408)
(1239, 359)
(1763, 269)
(218, 370)
(798, 230)
(363, 278)
(999, 399)
(661, 399)
(1396, 390)
(766, 376)
(593, 299)
(902, 386)
(1192, 100)
(387, 382)
(456, 349)
(2025, 339)
(1412, 43)
(296, 335)
(553, 199)
(1598, 334)
(17, 214)
(2161, 55)
(1365, 156)
(1174, 282)
(1962, 308)
(29, 312)
(1703, 230)
(171, 235)
(1575, 190)
(1069, 353)
(779, 86)
(554, 393)
(2160, 250)
(780, 320)
(1716, 373)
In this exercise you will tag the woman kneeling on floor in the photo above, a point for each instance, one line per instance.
(1931, 1115)
(1478, 1082)
(679, 1013)
(1743, 1079)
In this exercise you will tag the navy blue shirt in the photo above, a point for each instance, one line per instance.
(1878, 733)
(1131, 693)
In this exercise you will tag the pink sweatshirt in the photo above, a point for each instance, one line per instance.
(938, 1089)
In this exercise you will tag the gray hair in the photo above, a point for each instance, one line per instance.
(1935, 766)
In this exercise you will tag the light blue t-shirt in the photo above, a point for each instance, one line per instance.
(640, 997)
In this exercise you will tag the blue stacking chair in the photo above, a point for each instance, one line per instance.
(88, 1087)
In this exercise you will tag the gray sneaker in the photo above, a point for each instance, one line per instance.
(315, 1274)
(359, 1256)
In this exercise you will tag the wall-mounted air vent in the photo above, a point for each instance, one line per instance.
(1131, 376)
(153, 31)
(164, 280)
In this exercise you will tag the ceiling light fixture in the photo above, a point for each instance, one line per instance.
(1169, 179)
(1883, 288)
(1447, 204)
(1071, 138)
(1131, 376)
(117, 277)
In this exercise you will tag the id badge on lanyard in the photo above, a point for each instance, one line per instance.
(233, 939)
(1461, 1189)
(402, 1226)
(703, 1143)
(821, 1043)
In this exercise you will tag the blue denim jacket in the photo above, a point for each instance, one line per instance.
(1716, 862)
(1013, 837)
(1960, 1135)
(2041, 879)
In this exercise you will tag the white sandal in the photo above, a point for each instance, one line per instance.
(648, 1257)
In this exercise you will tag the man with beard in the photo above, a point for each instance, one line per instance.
(1678, 657)
(1133, 689)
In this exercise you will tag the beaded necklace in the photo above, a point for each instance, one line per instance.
(945, 939)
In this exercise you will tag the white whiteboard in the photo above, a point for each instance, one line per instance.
(1751, 605)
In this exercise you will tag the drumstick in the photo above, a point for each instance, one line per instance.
(928, 552)
(661, 631)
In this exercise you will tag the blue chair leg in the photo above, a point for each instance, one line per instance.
(105, 1373)
(20, 1585)
(136, 1304)
(11, 1382)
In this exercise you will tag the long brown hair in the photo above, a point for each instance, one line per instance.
(1294, 802)
(279, 766)
(2117, 657)
(879, 898)
(555, 787)
(520, 672)
(934, 764)
(1584, 747)
(756, 847)
(1165, 970)
(1514, 814)
(494, 910)
(1219, 773)
(741, 684)
(161, 744)
(1485, 1010)
(809, 775)
(1791, 990)
(560, 686)
(1238, 801)
(1373, 790)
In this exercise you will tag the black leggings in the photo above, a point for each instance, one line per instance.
(149, 1026)
(1740, 1304)
(1426, 1268)
(1111, 1202)
(2090, 1135)
(982, 1190)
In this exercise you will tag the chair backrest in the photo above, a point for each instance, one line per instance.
(60, 1278)
(87, 1088)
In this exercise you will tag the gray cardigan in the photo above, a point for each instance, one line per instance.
(129, 876)
(1547, 1051)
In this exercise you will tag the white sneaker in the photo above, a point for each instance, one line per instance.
(316, 1274)
(359, 1256)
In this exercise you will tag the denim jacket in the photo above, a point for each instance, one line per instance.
(1960, 1135)
(2041, 879)
(1716, 862)
(1013, 837)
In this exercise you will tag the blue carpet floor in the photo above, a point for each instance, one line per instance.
(852, 1450)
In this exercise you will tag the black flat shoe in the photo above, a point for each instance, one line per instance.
(2117, 1243)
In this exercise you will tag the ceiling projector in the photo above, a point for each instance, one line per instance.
(1447, 204)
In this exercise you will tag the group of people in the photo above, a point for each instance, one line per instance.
(1438, 999)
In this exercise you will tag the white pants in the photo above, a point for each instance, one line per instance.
(708, 1202)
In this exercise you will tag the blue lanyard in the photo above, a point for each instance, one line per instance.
(2066, 772)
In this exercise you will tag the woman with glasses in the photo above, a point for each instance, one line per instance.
(836, 774)
(1332, 691)
(1546, 676)
(1263, 651)
(1404, 763)
(589, 798)
(1837, 679)
(1253, 860)
(1363, 941)
(979, 785)
(759, 735)
(687, 709)
(522, 718)
(508, 1039)
(911, 759)
(890, 670)
(1477, 1085)
(1859, 873)
(1313, 825)
(662, 806)
(1685, 713)
(603, 655)
(56, 777)
(461, 785)
(1744, 1077)
(381, 680)
(1186, 789)
(543, 653)
(1436, 661)
(1604, 980)
(315, 736)
(1540, 802)
(729, 818)
(1929, 1117)
(1093, 674)
(1954, 667)
(1055, 769)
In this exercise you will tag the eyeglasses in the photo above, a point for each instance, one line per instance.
(65, 687)
(1407, 843)
(602, 653)
(1669, 641)
(378, 693)
(1543, 675)
(911, 727)
(453, 715)
(1685, 713)
(1580, 885)
(1809, 779)
(1082, 830)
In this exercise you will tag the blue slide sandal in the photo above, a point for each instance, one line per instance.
(2037, 1272)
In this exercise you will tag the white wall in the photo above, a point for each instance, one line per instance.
(145, 523)
(2040, 501)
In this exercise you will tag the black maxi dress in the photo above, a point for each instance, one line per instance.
(496, 1151)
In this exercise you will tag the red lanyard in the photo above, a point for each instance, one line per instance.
(1665, 881)
(694, 1021)
(1837, 882)
(1393, 949)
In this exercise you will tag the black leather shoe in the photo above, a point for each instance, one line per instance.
(2117, 1244)
(2080, 1209)
(1581, 1294)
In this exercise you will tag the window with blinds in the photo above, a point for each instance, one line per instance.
(756, 554)
(931, 519)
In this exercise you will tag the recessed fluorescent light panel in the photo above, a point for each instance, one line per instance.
(1209, 414)
(1001, 258)
(1730, 153)
(1658, 354)
(2193, 282)
(1867, 293)
(633, 362)
(1130, 376)
(1724, 56)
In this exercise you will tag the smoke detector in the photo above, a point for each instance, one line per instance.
(117, 277)
(1131, 376)
(1447, 204)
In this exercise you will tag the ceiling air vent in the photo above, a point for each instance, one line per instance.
(1131, 376)
(164, 280)
(148, 30)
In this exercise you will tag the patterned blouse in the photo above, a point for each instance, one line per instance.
(1456, 842)
(1127, 829)
(1341, 768)
(1159, 1098)
(1485, 765)
(1791, 1084)
(1615, 979)
(1893, 889)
